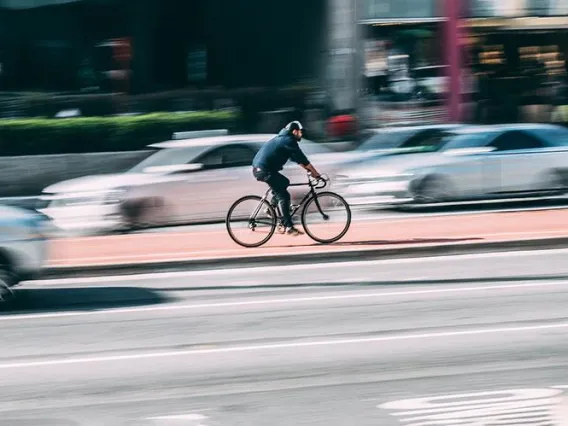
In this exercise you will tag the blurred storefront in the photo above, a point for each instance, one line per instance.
(513, 58)
(400, 36)
(404, 75)
(519, 51)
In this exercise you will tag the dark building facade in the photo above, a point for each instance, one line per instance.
(66, 45)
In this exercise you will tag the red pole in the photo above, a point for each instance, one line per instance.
(453, 59)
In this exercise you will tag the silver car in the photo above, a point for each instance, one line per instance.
(23, 246)
(469, 163)
(184, 181)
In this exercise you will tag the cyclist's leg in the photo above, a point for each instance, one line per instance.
(279, 184)
(263, 176)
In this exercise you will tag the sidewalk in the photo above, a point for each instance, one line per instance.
(380, 236)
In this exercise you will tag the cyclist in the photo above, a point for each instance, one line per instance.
(270, 160)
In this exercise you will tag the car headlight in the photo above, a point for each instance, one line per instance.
(114, 197)
(81, 199)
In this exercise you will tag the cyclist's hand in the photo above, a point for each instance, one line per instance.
(315, 175)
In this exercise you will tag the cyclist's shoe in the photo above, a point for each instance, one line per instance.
(281, 229)
(293, 231)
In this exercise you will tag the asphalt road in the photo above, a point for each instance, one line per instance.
(431, 341)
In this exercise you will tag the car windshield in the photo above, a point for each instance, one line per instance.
(168, 157)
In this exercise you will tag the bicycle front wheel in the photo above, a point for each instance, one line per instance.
(326, 217)
(251, 221)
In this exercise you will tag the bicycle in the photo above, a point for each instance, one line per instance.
(266, 216)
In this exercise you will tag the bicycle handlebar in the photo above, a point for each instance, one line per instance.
(320, 182)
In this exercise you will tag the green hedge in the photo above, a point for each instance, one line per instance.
(39, 136)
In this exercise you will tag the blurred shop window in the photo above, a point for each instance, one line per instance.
(197, 65)
(376, 65)
(112, 64)
(53, 65)
(87, 76)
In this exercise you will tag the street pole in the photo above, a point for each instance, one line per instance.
(343, 45)
(453, 58)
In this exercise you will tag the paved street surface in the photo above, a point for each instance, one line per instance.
(363, 235)
(468, 340)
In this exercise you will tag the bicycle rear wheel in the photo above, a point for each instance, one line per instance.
(251, 221)
(326, 218)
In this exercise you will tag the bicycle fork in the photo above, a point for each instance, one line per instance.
(325, 216)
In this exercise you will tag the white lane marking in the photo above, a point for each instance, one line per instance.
(284, 300)
(299, 267)
(190, 419)
(266, 347)
(540, 406)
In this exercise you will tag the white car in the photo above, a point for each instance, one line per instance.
(184, 181)
(469, 163)
(23, 246)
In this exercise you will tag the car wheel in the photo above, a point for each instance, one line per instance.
(433, 189)
(6, 283)
(141, 214)
(556, 183)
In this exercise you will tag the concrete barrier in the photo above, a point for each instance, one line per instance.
(29, 175)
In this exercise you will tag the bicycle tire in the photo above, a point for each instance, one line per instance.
(265, 206)
(307, 227)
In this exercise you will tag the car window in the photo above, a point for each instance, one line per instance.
(553, 136)
(227, 156)
(425, 139)
(430, 72)
(168, 157)
(237, 156)
(463, 141)
(386, 140)
(516, 140)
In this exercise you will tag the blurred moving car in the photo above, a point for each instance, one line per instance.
(23, 246)
(468, 163)
(183, 181)
(431, 81)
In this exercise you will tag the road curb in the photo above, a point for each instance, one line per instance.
(444, 249)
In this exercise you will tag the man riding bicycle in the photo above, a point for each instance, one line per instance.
(270, 160)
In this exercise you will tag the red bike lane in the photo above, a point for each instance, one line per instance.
(380, 234)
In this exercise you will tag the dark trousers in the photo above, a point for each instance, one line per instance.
(279, 185)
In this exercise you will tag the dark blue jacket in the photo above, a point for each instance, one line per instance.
(275, 153)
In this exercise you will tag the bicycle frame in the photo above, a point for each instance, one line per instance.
(311, 193)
